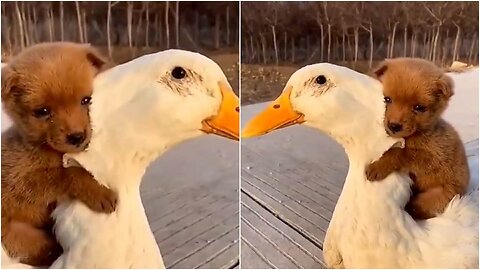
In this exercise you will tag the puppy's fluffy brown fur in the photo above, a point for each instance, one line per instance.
(416, 94)
(46, 91)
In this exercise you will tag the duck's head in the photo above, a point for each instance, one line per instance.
(343, 103)
(149, 104)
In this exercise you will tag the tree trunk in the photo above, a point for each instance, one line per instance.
(109, 18)
(228, 26)
(252, 49)
(343, 44)
(392, 43)
(329, 41)
(177, 24)
(50, 24)
(79, 21)
(293, 50)
(25, 25)
(370, 62)
(275, 44)
(471, 53)
(34, 24)
(62, 30)
(129, 25)
(321, 42)
(285, 46)
(413, 44)
(167, 27)
(147, 26)
(405, 37)
(217, 31)
(85, 28)
(356, 44)
(435, 44)
(20, 25)
(455, 47)
(264, 49)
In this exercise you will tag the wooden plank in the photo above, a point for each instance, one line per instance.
(303, 252)
(273, 254)
(251, 258)
(202, 240)
(209, 252)
(231, 252)
(320, 200)
(188, 236)
(289, 211)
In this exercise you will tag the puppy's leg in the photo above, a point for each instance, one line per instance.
(392, 160)
(31, 245)
(429, 203)
(84, 187)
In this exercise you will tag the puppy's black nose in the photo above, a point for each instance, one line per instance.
(76, 138)
(394, 127)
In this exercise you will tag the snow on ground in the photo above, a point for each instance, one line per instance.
(462, 112)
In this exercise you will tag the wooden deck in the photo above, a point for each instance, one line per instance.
(291, 180)
(287, 199)
(191, 200)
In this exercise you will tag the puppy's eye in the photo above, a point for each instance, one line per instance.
(42, 112)
(179, 73)
(387, 100)
(419, 108)
(86, 101)
(321, 80)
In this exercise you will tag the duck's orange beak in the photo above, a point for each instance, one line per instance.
(226, 123)
(278, 114)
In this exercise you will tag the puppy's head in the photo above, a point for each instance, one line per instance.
(416, 93)
(47, 89)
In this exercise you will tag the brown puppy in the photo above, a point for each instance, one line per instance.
(46, 90)
(416, 94)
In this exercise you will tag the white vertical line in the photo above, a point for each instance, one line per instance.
(240, 139)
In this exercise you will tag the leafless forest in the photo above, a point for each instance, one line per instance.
(122, 25)
(350, 32)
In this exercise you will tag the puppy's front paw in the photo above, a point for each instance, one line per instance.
(104, 201)
(376, 172)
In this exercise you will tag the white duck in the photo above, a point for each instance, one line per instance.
(140, 109)
(369, 228)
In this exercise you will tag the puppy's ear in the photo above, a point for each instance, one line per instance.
(445, 86)
(380, 70)
(9, 82)
(96, 58)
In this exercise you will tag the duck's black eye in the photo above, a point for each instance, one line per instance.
(387, 100)
(321, 79)
(179, 73)
(419, 108)
(42, 112)
(86, 101)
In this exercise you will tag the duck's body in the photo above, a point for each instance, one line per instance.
(139, 110)
(369, 227)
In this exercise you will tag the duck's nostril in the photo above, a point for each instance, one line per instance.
(76, 138)
(237, 109)
(276, 106)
